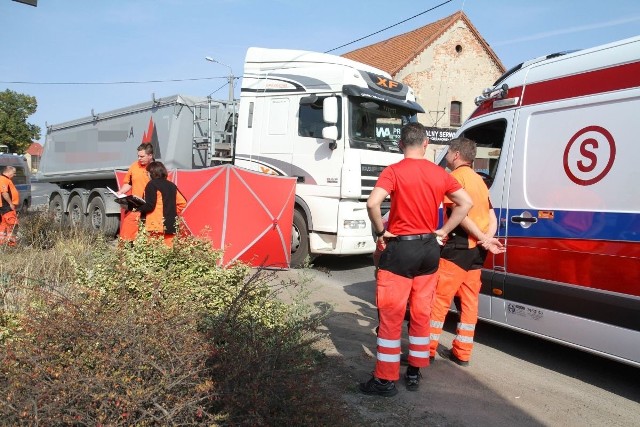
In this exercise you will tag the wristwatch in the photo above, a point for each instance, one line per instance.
(380, 234)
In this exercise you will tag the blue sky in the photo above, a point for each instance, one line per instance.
(82, 41)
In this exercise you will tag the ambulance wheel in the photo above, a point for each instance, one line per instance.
(299, 240)
(76, 213)
(56, 209)
(100, 221)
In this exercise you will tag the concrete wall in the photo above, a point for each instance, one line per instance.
(455, 67)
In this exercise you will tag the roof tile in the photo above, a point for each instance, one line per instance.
(393, 54)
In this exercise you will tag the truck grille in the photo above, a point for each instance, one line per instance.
(369, 174)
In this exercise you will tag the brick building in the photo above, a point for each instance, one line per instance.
(33, 155)
(447, 63)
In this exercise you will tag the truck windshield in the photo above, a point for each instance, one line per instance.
(374, 125)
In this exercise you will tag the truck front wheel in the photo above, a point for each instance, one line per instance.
(100, 221)
(299, 240)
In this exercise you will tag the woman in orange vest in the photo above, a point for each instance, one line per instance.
(163, 204)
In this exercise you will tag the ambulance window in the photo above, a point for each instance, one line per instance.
(489, 138)
(310, 122)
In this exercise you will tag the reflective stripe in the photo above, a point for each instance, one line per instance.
(466, 327)
(388, 343)
(384, 357)
(436, 324)
(418, 340)
(435, 337)
(464, 338)
(419, 354)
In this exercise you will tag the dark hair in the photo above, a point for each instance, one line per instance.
(146, 147)
(413, 134)
(466, 148)
(157, 170)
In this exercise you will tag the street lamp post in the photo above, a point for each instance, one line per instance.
(230, 78)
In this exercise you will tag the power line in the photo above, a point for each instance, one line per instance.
(124, 82)
(390, 26)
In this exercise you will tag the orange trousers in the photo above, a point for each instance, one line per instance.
(454, 280)
(392, 293)
(129, 223)
(7, 228)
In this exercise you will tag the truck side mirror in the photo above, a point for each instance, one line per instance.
(330, 111)
(330, 132)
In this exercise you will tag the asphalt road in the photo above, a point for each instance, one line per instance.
(513, 379)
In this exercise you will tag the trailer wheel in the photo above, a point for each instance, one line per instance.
(299, 240)
(100, 221)
(76, 213)
(56, 209)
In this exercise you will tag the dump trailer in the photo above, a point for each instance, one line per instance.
(80, 156)
(330, 122)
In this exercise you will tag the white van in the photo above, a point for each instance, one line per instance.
(561, 147)
(22, 180)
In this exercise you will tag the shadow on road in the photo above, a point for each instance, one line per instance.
(449, 395)
(606, 374)
(337, 263)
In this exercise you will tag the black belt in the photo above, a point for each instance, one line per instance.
(416, 237)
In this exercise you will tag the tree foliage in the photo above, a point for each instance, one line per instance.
(15, 132)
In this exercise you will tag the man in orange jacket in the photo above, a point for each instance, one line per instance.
(9, 201)
(463, 254)
(135, 180)
(409, 259)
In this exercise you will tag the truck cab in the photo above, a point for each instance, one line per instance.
(332, 123)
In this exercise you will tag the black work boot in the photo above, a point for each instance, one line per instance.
(379, 387)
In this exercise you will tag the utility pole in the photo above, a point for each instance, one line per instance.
(232, 102)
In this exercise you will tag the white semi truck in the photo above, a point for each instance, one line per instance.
(331, 122)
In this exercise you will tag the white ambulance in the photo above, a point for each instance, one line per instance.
(561, 147)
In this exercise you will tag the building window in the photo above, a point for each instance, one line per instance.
(455, 113)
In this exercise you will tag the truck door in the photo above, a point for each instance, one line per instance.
(493, 138)
(317, 161)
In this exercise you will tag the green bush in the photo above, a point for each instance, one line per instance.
(142, 334)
